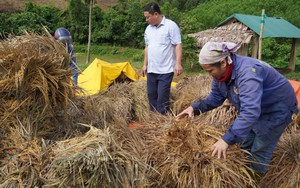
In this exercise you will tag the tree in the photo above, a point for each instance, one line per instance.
(91, 3)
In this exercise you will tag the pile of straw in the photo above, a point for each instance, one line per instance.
(189, 90)
(180, 153)
(22, 160)
(52, 138)
(35, 82)
(93, 160)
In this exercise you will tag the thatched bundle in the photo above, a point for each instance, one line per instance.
(189, 90)
(36, 67)
(94, 160)
(180, 153)
(22, 159)
(35, 82)
(284, 170)
(36, 91)
(141, 108)
(221, 117)
(112, 105)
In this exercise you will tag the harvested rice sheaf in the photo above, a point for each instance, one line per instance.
(180, 153)
(106, 107)
(221, 117)
(37, 67)
(93, 160)
(140, 105)
(22, 160)
(189, 90)
(35, 82)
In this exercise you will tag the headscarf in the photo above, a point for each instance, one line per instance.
(213, 52)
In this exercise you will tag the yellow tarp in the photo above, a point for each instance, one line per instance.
(100, 74)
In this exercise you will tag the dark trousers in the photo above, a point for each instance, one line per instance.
(262, 147)
(158, 88)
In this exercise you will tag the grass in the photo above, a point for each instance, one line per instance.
(110, 54)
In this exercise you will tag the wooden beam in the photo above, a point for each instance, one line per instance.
(255, 46)
(292, 63)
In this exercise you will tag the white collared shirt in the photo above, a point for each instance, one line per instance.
(161, 41)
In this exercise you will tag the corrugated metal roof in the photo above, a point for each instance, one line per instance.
(273, 27)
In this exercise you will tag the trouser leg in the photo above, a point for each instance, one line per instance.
(152, 94)
(261, 149)
(164, 89)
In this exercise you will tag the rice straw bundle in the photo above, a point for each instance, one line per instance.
(93, 160)
(36, 67)
(189, 90)
(22, 160)
(169, 155)
(107, 107)
(140, 106)
(35, 82)
(221, 117)
(180, 153)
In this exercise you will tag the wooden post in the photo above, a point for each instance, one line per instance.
(293, 55)
(255, 46)
(261, 32)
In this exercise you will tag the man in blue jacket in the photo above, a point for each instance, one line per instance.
(264, 98)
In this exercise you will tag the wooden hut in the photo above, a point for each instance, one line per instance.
(245, 29)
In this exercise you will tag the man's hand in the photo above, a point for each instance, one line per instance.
(220, 148)
(178, 69)
(144, 71)
(189, 111)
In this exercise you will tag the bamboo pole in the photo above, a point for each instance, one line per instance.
(261, 32)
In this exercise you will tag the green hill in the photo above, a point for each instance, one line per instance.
(18, 5)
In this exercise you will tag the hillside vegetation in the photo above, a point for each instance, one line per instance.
(19, 5)
(123, 24)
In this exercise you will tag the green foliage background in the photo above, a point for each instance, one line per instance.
(124, 24)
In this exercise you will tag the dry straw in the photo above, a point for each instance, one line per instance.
(35, 82)
(94, 160)
(180, 153)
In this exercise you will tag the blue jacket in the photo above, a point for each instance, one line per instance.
(264, 98)
(73, 63)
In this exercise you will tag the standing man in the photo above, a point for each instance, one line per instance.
(163, 54)
(264, 98)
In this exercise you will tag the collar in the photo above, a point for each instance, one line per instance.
(233, 75)
(163, 22)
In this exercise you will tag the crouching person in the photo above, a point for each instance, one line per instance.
(264, 98)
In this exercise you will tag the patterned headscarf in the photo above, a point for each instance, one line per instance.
(213, 52)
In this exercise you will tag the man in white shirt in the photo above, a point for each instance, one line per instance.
(163, 53)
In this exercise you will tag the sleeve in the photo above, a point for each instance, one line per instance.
(250, 94)
(175, 34)
(73, 63)
(213, 100)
